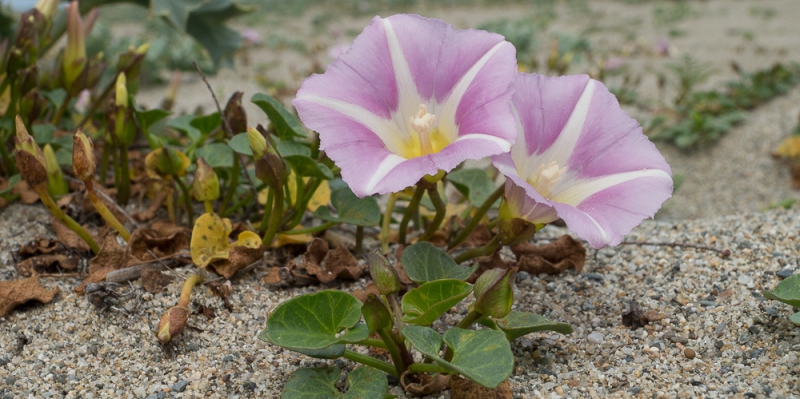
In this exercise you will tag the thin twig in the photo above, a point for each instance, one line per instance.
(60, 275)
(165, 265)
(227, 127)
(723, 252)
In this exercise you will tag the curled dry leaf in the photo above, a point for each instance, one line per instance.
(361, 295)
(320, 264)
(162, 239)
(210, 245)
(553, 258)
(112, 256)
(158, 199)
(45, 256)
(154, 281)
(17, 292)
(462, 388)
(68, 237)
(27, 195)
(495, 261)
(421, 384)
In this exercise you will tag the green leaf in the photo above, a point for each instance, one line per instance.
(376, 313)
(43, 134)
(286, 123)
(331, 352)
(12, 182)
(241, 144)
(207, 123)
(319, 383)
(217, 155)
(474, 184)
(207, 26)
(175, 12)
(150, 117)
(787, 291)
(289, 147)
(307, 167)
(351, 209)
(517, 324)
(316, 321)
(424, 262)
(424, 304)
(483, 356)
(183, 124)
(795, 318)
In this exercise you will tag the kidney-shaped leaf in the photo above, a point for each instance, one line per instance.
(483, 356)
(424, 304)
(217, 155)
(351, 209)
(319, 383)
(331, 352)
(315, 321)
(424, 262)
(241, 144)
(787, 291)
(517, 324)
(474, 184)
(286, 124)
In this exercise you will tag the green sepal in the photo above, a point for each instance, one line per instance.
(376, 313)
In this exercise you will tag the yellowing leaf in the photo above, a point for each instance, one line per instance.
(789, 148)
(292, 239)
(321, 197)
(210, 239)
(248, 239)
(151, 164)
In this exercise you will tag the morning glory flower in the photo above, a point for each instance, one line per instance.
(579, 157)
(412, 96)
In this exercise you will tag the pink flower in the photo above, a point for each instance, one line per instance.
(412, 96)
(251, 35)
(579, 157)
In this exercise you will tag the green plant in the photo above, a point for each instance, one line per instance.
(788, 292)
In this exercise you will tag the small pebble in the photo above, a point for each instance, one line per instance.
(179, 386)
(689, 353)
(785, 273)
(596, 338)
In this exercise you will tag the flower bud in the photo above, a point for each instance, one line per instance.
(172, 323)
(75, 53)
(122, 92)
(165, 162)
(235, 113)
(47, 8)
(513, 230)
(172, 91)
(271, 170)
(83, 161)
(56, 184)
(257, 142)
(494, 292)
(30, 159)
(376, 313)
(31, 105)
(206, 183)
(383, 274)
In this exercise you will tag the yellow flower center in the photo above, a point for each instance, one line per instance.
(545, 178)
(425, 138)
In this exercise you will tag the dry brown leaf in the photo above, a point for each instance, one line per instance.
(327, 265)
(495, 261)
(111, 257)
(361, 295)
(150, 212)
(206, 311)
(154, 281)
(162, 239)
(27, 195)
(462, 388)
(478, 238)
(68, 237)
(40, 246)
(17, 292)
(553, 258)
(46, 264)
(421, 384)
(239, 257)
(398, 266)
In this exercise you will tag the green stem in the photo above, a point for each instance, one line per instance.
(238, 205)
(425, 368)
(104, 162)
(394, 351)
(359, 239)
(387, 219)
(310, 230)
(475, 220)
(372, 342)
(441, 210)
(60, 111)
(187, 289)
(413, 205)
(124, 187)
(209, 207)
(267, 212)
(398, 312)
(105, 213)
(486, 250)
(370, 361)
(51, 206)
(234, 182)
(308, 192)
(187, 199)
(275, 217)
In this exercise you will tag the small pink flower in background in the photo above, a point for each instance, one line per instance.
(82, 104)
(251, 36)
(662, 47)
(412, 96)
(579, 157)
(614, 63)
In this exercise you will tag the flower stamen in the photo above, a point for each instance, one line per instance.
(545, 178)
(423, 123)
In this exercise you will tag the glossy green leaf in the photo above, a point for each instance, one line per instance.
(483, 356)
(319, 383)
(43, 133)
(307, 167)
(330, 352)
(517, 324)
(183, 125)
(787, 291)
(316, 321)
(795, 318)
(150, 117)
(207, 26)
(351, 209)
(285, 123)
(241, 144)
(424, 262)
(474, 184)
(217, 155)
(175, 12)
(289, 147)
(424, 304)
(207, 123)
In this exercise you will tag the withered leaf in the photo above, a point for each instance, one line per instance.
(206, 311)
(154, 281)
(46, 264)
(68, 237)
(111, 257)
(27, 195)
(339, 263)
(239, 257)
(495, 261)
(361, 295)
(162, 239)
(421, 384)
(40, 246)
(462, 388)
(398, 266)
(553, 258)
(17, 292)
(150, 212)
(478, 238)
